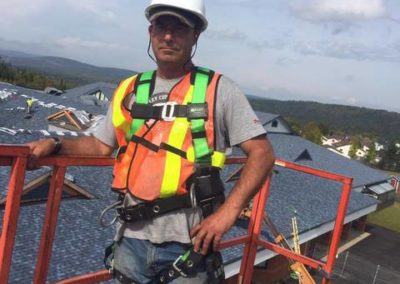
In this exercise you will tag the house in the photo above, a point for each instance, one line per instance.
(395, 182)
(330, 141)
(343, 145)
(274, 123)
(99, 93)
(53, 91)
(80, 241)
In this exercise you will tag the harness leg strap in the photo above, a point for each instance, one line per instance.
(187, 264)
(122, 278)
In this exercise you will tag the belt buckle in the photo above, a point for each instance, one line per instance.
(168, 109)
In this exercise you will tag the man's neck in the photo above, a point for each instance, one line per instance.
(173, 72)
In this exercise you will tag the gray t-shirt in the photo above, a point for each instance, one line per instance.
(235, 122)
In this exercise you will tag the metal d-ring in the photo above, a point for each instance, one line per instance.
(112, 206)
(192, 193)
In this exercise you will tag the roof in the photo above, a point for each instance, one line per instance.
(266, 117)
(15, 120)
(106, 88)
(289, 147)
(80, 241)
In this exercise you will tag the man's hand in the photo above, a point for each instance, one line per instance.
(260, 160)
(39, 149)
(211, 230)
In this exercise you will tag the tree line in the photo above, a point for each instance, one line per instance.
(350, 120)
(28, 78)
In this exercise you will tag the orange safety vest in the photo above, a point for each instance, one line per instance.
(156, 161)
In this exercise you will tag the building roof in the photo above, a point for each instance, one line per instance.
(106, 88)
(14, 119)
(80, 241)
(289, 147)
(266, 117)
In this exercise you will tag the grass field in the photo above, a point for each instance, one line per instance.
(388, 218)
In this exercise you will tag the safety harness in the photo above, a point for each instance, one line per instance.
(205, 186)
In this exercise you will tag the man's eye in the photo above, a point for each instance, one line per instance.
(160, 27)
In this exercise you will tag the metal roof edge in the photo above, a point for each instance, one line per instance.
(234, 268)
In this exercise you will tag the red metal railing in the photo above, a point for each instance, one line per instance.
(16, 157)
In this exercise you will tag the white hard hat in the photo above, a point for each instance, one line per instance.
(193, 7)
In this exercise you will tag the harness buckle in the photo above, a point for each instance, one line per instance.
(175, 266)
(168, 111)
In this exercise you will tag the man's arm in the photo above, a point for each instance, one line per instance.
(86, 146)
(260, 160)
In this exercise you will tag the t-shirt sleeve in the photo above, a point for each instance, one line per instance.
(105, 131)
(239, 119)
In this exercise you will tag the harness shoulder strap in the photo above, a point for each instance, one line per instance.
(201, 78)
(143, 87)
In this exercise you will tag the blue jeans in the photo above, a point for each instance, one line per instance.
(142, 261)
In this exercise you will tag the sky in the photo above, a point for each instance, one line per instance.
(331, 51)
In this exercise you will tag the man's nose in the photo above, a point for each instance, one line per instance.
(168, 33)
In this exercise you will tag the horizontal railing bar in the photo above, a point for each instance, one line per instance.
(312, 171)
(66, 161)
(234, 242)
(9, 150)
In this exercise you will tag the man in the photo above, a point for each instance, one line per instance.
(172, 127)
(29, 104)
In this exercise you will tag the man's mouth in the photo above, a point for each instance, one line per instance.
(168, 48)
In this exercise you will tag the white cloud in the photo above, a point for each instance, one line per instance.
(82, 43)
(20, 8)
(226, 35)
(339, 10)
(101, 10)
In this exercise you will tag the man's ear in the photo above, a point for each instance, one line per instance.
(150, 28)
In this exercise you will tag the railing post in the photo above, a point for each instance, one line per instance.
(11, 212)
(254, 230)
(49, 225)
(337, 230)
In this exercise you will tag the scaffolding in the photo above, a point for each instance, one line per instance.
(16, 157)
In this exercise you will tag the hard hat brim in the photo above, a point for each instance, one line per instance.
(168, 12)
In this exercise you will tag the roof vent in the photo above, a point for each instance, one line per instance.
(304, 156)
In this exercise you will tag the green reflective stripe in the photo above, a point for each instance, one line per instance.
(146, 75)
(142, 97)
(201, 151)
(200, 87)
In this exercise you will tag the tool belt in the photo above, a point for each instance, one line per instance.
(207, 193)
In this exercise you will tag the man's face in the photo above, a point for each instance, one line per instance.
(172, 40)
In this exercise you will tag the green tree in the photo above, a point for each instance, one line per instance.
(312, 132)
(294, 125)
(371, 154)
(391, 157)
(324, 128)
(355, 145)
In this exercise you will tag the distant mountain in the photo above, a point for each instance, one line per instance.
(71, 70)
(349, 119)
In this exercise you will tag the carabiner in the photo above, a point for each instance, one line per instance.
(101, 220)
